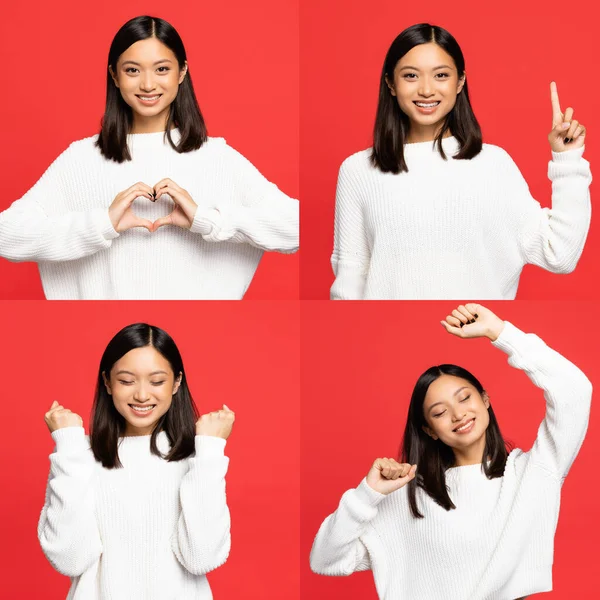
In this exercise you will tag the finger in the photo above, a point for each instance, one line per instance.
(140, 186)
(168, 189)
(568, 116)
(168, 220)
(127, 200)
(54, 405)
(556, 112)
(572, 129)
(454, 330)
(467, 313)
(474, 309)
(580, 131)
(166, 182)
(457, 314)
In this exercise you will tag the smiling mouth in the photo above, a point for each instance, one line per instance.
(149, 98)
(466, 427)
(142, 410)
(426, 104)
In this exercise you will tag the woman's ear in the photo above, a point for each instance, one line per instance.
(461, 83)
(112, 74)
(107, 383)
(429, 432)
(390, 85)
(183, 73)
(486, 399)
(177, 383)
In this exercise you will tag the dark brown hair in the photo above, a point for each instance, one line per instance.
(107, 425)
(118, 117)
(392, 125)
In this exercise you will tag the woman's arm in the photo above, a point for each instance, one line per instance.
(338, 549)
(568, 394)
(202, 538)
(553, 238)
(351, 255)
(67, 528)
(29, 233)
(265, 217)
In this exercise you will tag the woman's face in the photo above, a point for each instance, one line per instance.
(426, 84)
(456, 413)
(148, 77)
(142, 385)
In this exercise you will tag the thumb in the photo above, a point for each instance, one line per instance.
(161, 222)
(226, 407)
(55, 403)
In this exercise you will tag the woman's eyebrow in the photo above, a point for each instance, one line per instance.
(434, 69)
(137, 64)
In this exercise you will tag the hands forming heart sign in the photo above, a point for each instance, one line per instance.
(123, 218)
(566, 134)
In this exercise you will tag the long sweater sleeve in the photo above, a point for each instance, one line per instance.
(264, 217)
(568, 394)
(351, 254)
(553, 238)
(67, 529)
(28, 233)
(202, 539)
(338, 549)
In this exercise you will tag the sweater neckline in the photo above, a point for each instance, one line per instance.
(449, 144)
(154, 140)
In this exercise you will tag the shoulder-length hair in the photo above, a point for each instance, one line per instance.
(433, 457)
(107, 425)
(392, 125)
(118, 117)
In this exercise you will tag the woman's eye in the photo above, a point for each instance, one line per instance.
(465, 399)
(157, 382)
(443, 75)
(439, 414)
(410, 76)
(126, 382)
(165, 69)
(130, 69)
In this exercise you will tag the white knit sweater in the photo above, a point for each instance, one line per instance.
(63, 224)
(148, 531)
(498, 543)
(453, 229)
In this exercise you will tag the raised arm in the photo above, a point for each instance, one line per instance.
(568, 394)
(30, 232)
(67, 528)
(554, 238)
(351, 255)
(567, 391)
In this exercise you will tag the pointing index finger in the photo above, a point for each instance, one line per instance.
(556, 112)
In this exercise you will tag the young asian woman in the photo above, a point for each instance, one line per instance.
(151, 207)
(430, 211)
(459, 516)
(138, 510)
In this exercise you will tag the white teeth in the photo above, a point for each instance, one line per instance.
(140, 409)
(426, 104)
(465, 426)
(148, 97)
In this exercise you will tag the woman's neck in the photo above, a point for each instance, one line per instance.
(418, 134)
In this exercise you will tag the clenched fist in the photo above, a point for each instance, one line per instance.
(58, 417)
(217, 424)
(387, 475)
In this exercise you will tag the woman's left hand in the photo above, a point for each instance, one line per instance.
(185, 207)
(473, 321)
(216, 424)
(566, 134)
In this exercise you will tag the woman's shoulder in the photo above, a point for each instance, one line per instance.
(359, 161)
(495, 153)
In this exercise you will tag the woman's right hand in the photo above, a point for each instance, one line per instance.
(120, 212)
(387, 475)
(58, 417)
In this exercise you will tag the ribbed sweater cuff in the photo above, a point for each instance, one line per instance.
(104, 224)
(568, 155)
(367, 494)
(509, 339)
(70, 439)
(205, 220)
(208, 446)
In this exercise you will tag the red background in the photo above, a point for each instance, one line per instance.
(245, 72)
(246, 355)
(360, 362)
(513, 49)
